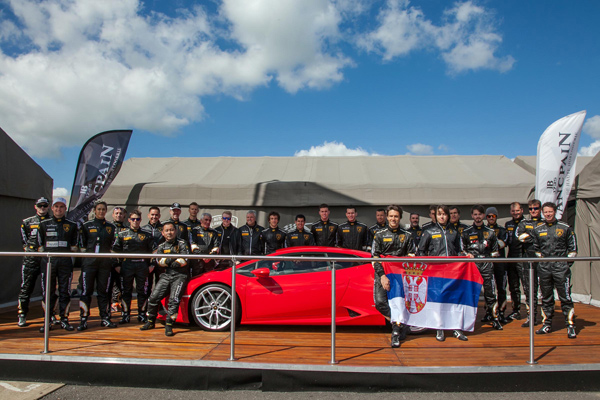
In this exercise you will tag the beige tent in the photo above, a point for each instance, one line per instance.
(293, 185)
(586, 276)
(22, 182)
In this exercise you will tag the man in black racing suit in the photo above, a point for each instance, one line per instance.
(380, 223)
(154, 229)
(119, 215)
(205, 240)
(352, 234)
(523, 233)
(272, 238)
(250, 235)
(300, 236)
(324, 230)
(396, 242)
(513, 270)
(59, 235)
(415, 230)
(32, 267)
(555, 239)
(229, 239)
(96, 236)
(442, 239)
(479, 241)
(133, 240)
(491, 214)
(172, 281)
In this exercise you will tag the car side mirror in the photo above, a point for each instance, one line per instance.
(261, 272)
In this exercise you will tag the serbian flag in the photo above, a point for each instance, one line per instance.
(436, 296)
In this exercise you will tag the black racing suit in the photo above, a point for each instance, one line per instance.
(388, 242)
(173, 279)
(58, 235)
(204, 241)
(440, 240)
(325, 233)
(555, 239)
(372, 231)
(191, 224)
(96, 236)
(131, 241)
(183, 232)
(32, 267)
(299, 238)
(513, 270)
(500, 268)
(250, 239)
(352, 235)
(481, 241)
(115, 278)
(523, 233)
(272, 239)
(416, 232)
(155, 232)
(460, 227)
(229, 243)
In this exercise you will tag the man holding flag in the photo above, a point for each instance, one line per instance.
(392, 241)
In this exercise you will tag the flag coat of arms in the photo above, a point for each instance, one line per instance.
(436, 296)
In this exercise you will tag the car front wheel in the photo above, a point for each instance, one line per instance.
(211, 307)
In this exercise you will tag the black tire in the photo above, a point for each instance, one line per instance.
(210, 307)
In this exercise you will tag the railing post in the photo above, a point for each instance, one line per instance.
(47, 308)
(233, 310)
(333, 314)
(532, 301)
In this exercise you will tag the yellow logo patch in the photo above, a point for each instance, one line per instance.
(67, 228)
(544, 234)
(559, 232)
(387, 239)
(436, 236)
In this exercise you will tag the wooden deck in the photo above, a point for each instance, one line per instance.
(301, 345)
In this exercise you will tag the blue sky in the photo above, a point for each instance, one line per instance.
(293, 77)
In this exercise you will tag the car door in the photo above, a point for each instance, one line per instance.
(295, 291)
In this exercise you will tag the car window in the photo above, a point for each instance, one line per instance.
(346, 264)
(287, 267)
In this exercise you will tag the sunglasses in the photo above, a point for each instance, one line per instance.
(42, 205)
(226, 218)
(135, 219)
(534, 208)
(490, 216)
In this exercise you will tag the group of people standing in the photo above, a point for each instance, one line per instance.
(446, 236)
(114, 278)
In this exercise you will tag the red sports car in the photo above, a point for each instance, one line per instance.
(285, 292)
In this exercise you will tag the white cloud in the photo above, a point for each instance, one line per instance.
(592, 126)
(60, 192)
(333, 149)
(467, 38)
(590, 150)
(420, 149)
(101, 65)
(443, 147)
(70, 69)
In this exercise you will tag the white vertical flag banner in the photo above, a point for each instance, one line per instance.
(556, 160)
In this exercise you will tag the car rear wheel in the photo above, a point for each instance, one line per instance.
(211, 307)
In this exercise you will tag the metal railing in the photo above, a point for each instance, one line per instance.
(235, 258)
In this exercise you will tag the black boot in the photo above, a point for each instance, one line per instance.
(64, 323)
(107, 323)
(496, 324)
(149, 324)
(82, 324)
(396, 332)
(125, 318)
(22, 321)
(571, 334)
(169, 327)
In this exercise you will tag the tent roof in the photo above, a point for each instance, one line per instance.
(588, 182)
(529, 163)
(21, 176)
(308, 181)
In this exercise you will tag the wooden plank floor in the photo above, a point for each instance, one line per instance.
(356, 346)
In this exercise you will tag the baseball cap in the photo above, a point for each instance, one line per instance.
(60, 200)
(175, 206)
(42, 200)
(491, 210)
